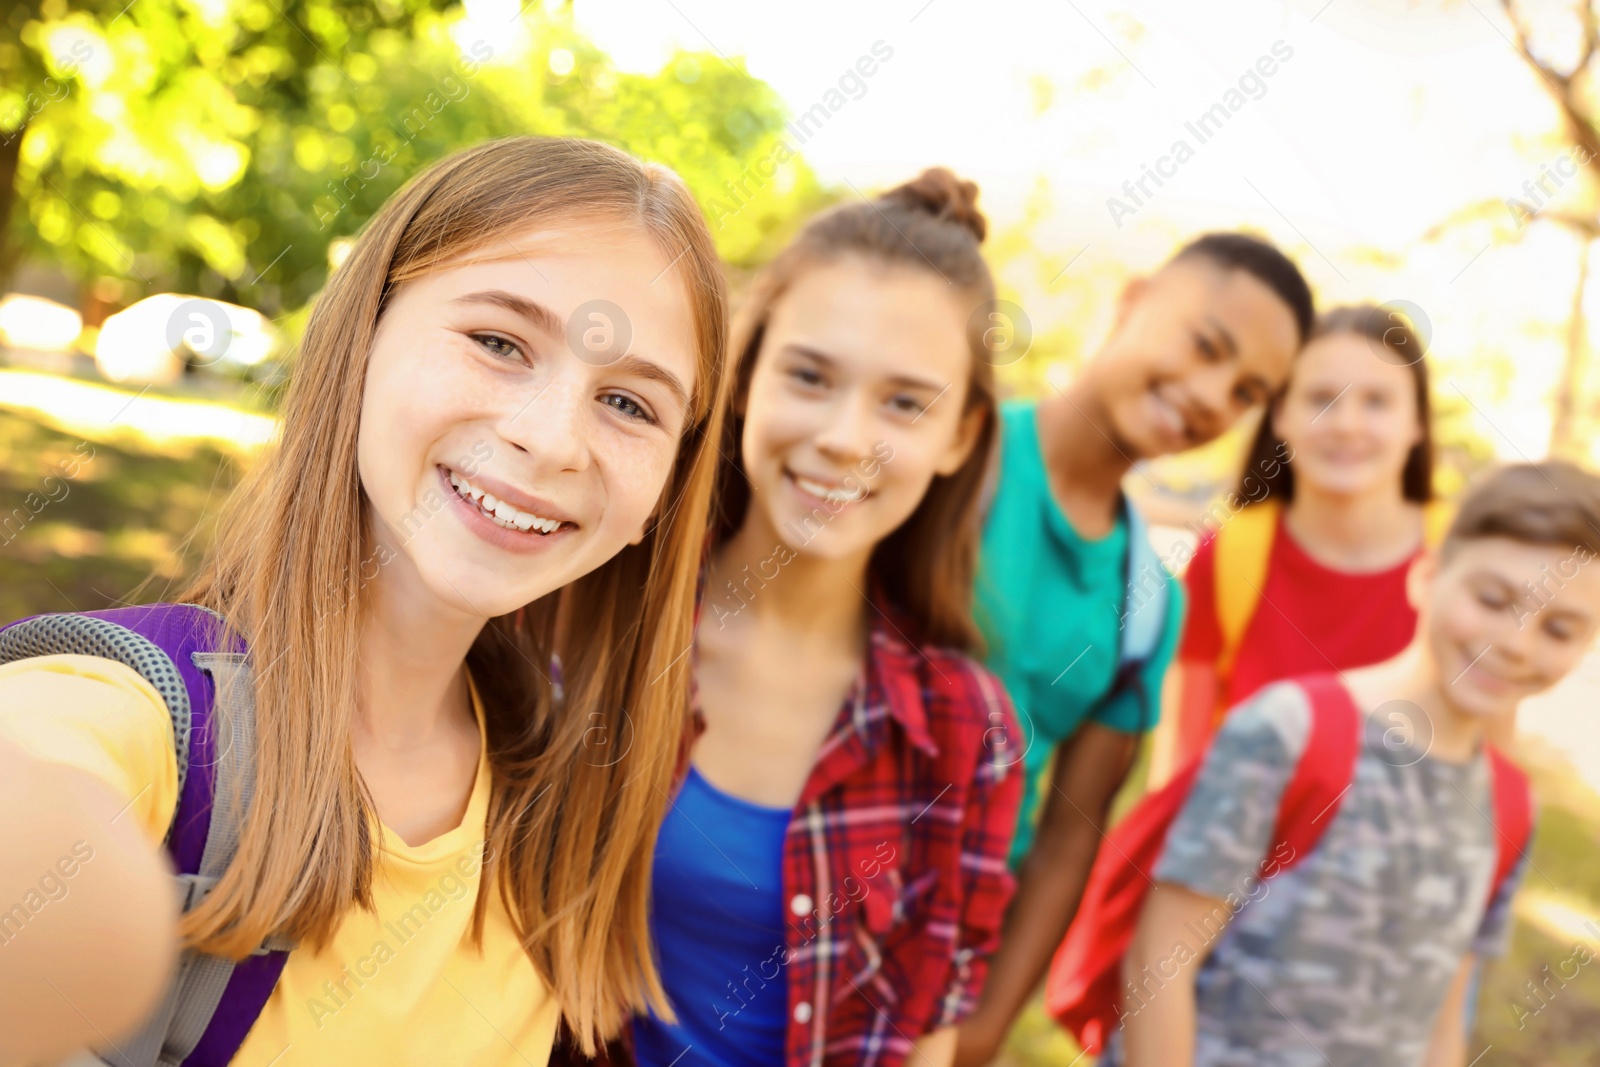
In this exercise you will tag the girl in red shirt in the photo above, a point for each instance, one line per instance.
(1337, 501)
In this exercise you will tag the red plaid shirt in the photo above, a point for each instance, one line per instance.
(894, 873)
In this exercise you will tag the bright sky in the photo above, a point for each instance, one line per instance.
(1386, 116)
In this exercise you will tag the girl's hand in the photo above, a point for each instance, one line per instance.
(88, 914)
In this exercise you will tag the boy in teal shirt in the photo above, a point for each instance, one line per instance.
(1046, 590)
(1207, 338)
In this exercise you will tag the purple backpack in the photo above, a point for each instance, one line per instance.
(212, 1002)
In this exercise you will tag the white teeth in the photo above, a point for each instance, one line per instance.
(1169, 414)
(835, 496)
(500, 512)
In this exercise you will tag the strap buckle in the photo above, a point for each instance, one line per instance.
(194, 888)
(275, 943)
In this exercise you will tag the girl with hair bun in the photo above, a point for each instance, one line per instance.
(831, 877)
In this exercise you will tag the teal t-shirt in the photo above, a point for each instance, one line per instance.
(1050, 603)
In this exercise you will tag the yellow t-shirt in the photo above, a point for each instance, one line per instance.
(401, 985)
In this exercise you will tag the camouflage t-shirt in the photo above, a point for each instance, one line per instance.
(1346, 957)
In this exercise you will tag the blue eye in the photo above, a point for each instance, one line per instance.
(628, 407)
(497, 346)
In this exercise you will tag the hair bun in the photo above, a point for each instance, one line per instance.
(939, 192)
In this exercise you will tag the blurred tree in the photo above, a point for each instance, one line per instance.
(1562, 60)
(223, 146)
(1558, 41)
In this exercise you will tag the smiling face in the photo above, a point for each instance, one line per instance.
(500, 462)
(855, 404)
(1349, 417)
(1494, 638)
(1195, 347)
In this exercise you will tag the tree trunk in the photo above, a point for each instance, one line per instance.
(10, 252)
(1564, 433)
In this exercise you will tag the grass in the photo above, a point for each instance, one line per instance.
(127, 524)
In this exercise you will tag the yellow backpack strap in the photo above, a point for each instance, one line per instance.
(1244, 544)
(1436, 518)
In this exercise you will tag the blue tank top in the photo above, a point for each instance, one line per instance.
(716, 920)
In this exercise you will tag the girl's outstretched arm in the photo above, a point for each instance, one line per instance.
(1448, 1045)
(1158, 1007)
(88, 908)
(934, 1049)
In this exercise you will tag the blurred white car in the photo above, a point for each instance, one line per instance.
(151, 341)
(32, 322)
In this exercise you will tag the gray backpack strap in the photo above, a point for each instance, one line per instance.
(72, 634)
(173, 1031)
(192, 998)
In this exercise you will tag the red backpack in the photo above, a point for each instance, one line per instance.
(1084, 989)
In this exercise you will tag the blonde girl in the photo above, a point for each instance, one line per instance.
(497, 449)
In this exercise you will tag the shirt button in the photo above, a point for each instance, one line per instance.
(800, 904)
(802, 1012)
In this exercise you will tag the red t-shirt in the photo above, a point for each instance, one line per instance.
(1308, 618)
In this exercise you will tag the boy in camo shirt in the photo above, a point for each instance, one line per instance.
(1362, 953)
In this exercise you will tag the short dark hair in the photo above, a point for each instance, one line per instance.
(1262, 261)
(1552, 502)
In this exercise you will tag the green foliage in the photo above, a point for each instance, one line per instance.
(222, 146)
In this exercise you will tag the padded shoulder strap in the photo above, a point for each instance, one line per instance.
(71, 633)
(212, 1002)
(1142, 618)
(1144, 607)
(1513, 816)
(1243, 548)
(1323, 773)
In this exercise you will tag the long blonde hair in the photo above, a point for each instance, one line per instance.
(570, 833)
